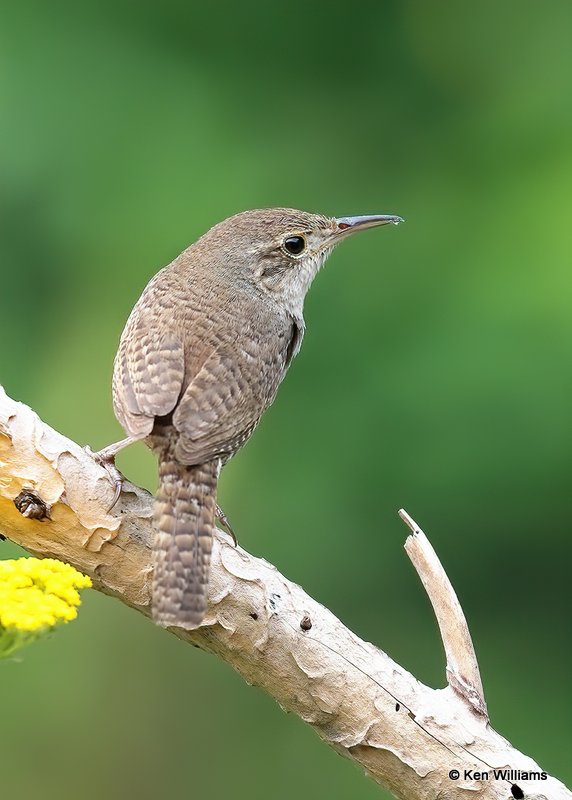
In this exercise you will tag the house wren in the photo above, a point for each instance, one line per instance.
(201, 357)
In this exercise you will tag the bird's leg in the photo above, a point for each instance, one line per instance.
(222, 518)
(106, 458)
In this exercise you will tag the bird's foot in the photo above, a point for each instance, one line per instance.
(106, 459)
(222, 518)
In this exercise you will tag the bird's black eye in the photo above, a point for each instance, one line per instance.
(294, 245)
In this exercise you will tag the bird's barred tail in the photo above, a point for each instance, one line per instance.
(184, 519)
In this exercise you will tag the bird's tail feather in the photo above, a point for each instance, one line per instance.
(184, 519)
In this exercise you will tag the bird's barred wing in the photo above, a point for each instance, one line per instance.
(224, 401)
(219, 408)
(149, 371)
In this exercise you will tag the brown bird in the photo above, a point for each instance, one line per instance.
(201, 358)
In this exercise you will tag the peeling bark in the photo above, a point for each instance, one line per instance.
(408, 737)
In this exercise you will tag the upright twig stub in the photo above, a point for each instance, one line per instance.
(462, 667)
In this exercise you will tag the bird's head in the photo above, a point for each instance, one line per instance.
(280, 250)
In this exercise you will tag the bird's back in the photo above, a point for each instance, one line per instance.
(203, 356)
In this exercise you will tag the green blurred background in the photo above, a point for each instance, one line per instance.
(435, 373)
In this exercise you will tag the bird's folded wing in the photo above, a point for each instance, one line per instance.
(218, 410)
(149, 373)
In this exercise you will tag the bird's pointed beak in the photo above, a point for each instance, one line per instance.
(349, 225)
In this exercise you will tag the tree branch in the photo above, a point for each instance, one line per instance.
(407, 736)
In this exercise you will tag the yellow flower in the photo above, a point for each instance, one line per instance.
(35, 595)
